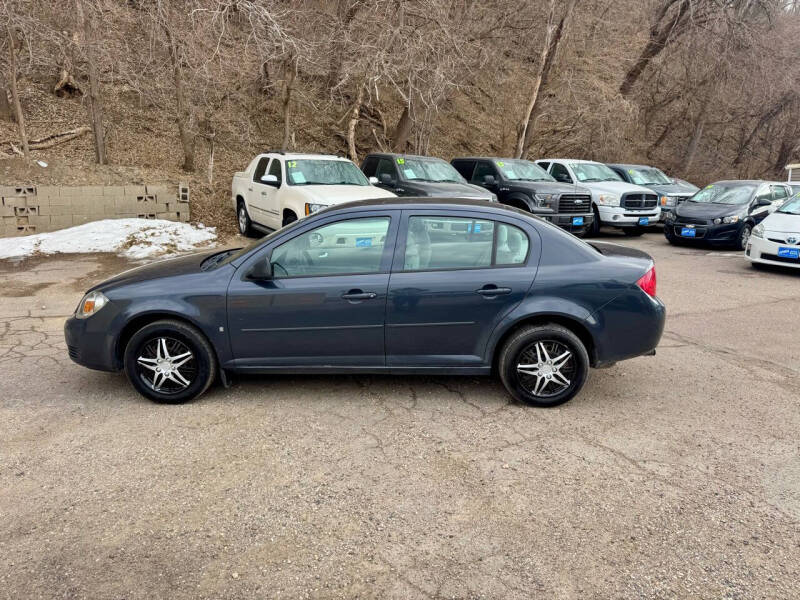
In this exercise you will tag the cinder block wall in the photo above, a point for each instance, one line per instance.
(34, 209)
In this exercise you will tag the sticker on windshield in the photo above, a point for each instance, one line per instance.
(401, 161)
(297, 177)
(291, 164)
(510, 173)
(709, 186)
(631, 171)
(477, 227)
(409, 173)
(363, 242)
(500, 163)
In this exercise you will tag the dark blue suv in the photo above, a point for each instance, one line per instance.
(383, 286)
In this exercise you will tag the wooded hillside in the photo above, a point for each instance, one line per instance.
(192, 89)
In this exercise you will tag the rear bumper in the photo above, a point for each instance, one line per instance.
(628, 326)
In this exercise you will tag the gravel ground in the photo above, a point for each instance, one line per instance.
(669, 476)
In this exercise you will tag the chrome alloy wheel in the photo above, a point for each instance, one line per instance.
(546, 368)
(242, 219)
(166, 365)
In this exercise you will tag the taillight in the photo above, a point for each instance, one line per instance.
(648, 282)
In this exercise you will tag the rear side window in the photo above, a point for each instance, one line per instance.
(434, 243)
(464, 167)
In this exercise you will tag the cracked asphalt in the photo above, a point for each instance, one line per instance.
(674, 476)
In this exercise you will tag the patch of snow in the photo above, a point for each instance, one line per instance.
(133, 238)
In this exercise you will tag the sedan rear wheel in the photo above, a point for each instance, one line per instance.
(544, 365)
(169, 361)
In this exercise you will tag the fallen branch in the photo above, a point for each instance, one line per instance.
(49, 141)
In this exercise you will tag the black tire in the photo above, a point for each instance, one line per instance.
(288, 217)
(594, 228)
(671, 237)
(522, 346)
(199, 369)
(243, 220)
(633, 231)
(744, 236)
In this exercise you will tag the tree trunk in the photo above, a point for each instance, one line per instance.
(659, 35)
(20, 118)
(288, 87)
(402, 131)
(696, 137)
(184, 114)
(351, 124)
(95, 99)
(552, 39)
(345, 13)
(6, 112)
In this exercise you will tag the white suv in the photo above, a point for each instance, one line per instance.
(280, 187)
(614, 202)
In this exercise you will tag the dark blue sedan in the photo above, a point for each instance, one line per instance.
(383, 286)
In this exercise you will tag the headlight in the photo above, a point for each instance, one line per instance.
(544, 200)
(758, 231)
(717, 221)
(608, 199)
(667, 201)
(734, 219)
(91, 303)
(312, 207)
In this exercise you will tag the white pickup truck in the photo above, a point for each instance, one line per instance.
(280, 187)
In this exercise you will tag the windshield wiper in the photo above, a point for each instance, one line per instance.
(594, 179)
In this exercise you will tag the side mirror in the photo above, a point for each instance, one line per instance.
(261, 271)
(269, 180)
(563, 178)
(374, 180)
(386, 179)
(489, 180)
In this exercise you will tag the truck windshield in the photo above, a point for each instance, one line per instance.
(320, 171)
(428, 169)
(648, 176)
(594, 172)
(522, 170)
(724, 194)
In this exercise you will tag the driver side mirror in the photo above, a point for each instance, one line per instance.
(763, 202)
(270, 180)
(489, 180)
(261, 271)
(563, 178)
(374, 180)
(386, 179)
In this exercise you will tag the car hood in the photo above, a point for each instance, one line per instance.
(707, 210)
(549, 187)
(170, 267)
(338, 194)
(673, 189)
(783, 223)
(615, 187)
(446, 189)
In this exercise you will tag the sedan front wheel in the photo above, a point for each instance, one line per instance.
(544, 365)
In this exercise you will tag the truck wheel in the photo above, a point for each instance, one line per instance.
(288, 217)
(544, 365)
(243, 219)
(595, 226)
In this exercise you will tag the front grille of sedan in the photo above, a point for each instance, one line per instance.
(639, 201)
(690, 221)
(779, 241)
(574, 203)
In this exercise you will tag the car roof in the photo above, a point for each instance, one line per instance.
(570, 160)
(410, 202)
(743, 182)
(630, 166)
(302, 155)
(401, 155)
(489, 158)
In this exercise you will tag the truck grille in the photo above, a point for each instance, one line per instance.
(575, 203)
(639, 201)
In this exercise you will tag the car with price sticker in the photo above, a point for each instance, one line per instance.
(776, 240)
(278, 188)
(724, 213)
(525, 185)
(420, 176)
(615, 202)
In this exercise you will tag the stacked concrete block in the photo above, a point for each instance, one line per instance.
(33, 209)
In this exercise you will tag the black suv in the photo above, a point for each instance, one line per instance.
(526, 185)
(410, 175)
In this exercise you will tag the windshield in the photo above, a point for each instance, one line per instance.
(594, 172)
(320, 171)
(791, 206)
(522, 170)
(236, 253)
(724, 194)
(429, 169)
(647, 176)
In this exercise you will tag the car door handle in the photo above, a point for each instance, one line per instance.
(493, 290)
(263, 193)
(359, 295)
(249, 189)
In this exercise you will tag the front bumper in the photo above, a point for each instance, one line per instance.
(568, 220)
(618, 216)
(90, 344)
(724, 234)
(765, 251)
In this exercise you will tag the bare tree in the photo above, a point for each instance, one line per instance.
(95, 99)
(12, 78)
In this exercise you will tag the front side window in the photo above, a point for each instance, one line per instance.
(593, 172)
(482, 170)
(386, 167)
(349, 247)
(321, 171)
(261, 169)
(560, 173)
(780, 192)
(428, 169)
(462, 243)
(275, 169)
